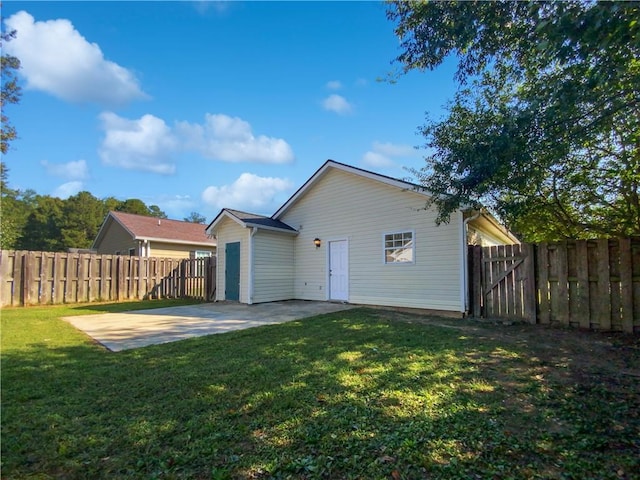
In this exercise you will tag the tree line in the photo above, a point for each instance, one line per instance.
(30, 221)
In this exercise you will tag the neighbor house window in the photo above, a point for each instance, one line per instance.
(202, 254)
(132, 252)
(399, 247)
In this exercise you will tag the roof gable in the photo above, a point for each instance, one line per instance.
(250, 220)
(332, 164)
(141, 227)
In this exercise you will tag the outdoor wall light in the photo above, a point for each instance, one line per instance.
(317, 242)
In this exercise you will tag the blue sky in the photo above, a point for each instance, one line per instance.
(195, 106)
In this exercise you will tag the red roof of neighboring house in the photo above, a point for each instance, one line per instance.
(142, 227)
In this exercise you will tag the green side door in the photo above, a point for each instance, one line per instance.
(232, 271)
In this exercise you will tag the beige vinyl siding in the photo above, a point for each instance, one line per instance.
(230, 232)
(273, 274)
(342, 205)
(116, 239)
(171, 250)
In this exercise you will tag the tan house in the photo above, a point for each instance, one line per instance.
(129, 234)
(351, 235)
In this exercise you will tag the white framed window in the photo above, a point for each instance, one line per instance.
(201, 254)
(399, 247)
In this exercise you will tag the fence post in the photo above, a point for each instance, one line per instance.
(626, 285)
(604, 285)
(529, 286)
(583, 312)
(476, 280)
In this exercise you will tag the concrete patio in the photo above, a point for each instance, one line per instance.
(127, 330)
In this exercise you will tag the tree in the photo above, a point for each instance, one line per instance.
(154, 211)
(136, 206)
(42, 230)
(545, 127)
(82, 216)
(195, 217)
(10, 93)
(15, 207)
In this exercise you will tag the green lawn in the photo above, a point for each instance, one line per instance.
(358, 394)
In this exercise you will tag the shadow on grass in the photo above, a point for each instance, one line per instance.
(116, 307)
(346, 395)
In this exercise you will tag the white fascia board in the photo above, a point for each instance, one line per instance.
(223, 213)
(180, 242)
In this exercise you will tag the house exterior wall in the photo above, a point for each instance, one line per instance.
(273, 267)
(116, 239)
(229, 232)
(172, 250)
(345, 206)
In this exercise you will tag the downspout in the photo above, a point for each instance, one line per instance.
(254, 230)
(465, 261)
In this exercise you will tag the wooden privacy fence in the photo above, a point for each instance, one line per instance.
(29, 278)
(591, 284)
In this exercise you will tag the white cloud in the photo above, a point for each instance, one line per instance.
(231, 139)
(334, 85)
(57, 59)
(395, 150)
(248, 192)
(338, 104)
(377, 160)
(382, 155)
(70, 170)
(362, 82)
(68, 189)
(144, 144)
(149, 144)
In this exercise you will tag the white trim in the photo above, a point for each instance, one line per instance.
(179, 242)
(251, 272)
(384, 247)
(223, 213)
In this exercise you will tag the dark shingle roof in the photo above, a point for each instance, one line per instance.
(259, 220)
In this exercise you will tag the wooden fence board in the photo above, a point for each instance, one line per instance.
(528, 279)
(582, 273)
(543, 284)
(28, 278)
(603, 298)
(626, 285)
(563, 284)
(582, 283)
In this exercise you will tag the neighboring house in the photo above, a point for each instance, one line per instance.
(129, 234)
(354, 236)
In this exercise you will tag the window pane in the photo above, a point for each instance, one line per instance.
(398, 247)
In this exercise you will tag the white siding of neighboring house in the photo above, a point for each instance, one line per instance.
(230, 231)
(342, 205)
(479, 236)
(273, 273)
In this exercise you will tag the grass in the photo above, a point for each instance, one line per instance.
(355, 394)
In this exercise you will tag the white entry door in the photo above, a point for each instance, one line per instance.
(338, 270)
